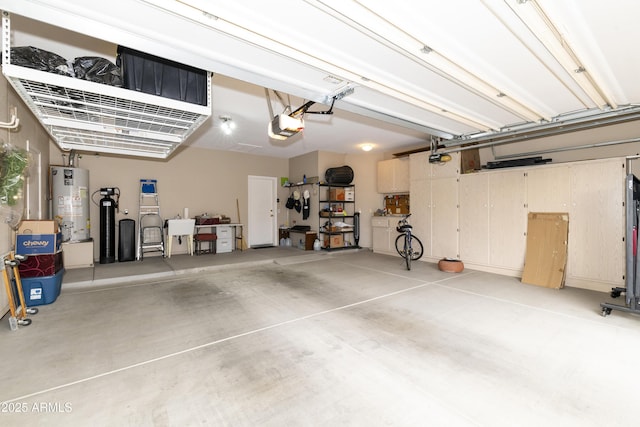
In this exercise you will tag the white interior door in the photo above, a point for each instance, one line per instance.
(262, 223)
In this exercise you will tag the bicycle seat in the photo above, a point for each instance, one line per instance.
(402, 228)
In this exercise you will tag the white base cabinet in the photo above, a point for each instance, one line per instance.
(597, 224)
(384, 234)
(484, 216)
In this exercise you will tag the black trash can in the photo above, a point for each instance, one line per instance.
(340, 175)
(127, 240)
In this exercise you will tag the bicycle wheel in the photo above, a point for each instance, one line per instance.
(417, 249)
(400, 244)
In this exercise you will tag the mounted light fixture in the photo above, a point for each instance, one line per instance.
(228, 125)
(366, 147)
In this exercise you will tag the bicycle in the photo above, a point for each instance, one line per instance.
(408, 246)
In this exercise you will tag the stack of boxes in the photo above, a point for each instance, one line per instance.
(41, 273)
(340, 194)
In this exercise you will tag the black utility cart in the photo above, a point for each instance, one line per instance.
(632, 279)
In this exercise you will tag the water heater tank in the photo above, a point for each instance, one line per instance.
(70, 202)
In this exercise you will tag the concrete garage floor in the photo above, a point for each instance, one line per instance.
(282, 337)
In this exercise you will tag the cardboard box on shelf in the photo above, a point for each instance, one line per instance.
(29, 226)
(336, 194)
(470, 160)
(333, 240)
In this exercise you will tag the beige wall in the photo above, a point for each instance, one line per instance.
(593, 136)
(205, 181)
(364, 167)
(30, 134)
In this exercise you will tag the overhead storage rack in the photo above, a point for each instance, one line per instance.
(88, 116)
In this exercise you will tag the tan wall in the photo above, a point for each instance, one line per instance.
(365, 166)
(205, 181)
(28, 133)
(593, 136)
(306, 164)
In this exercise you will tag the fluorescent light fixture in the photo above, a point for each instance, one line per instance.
(283, 127)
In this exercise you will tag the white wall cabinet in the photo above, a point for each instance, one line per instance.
(492, 209)
(596, 224)
(434, 205)
(444, 218)
(450, 169)
(507, 219)
(420, 198)
(549, 189)
(393, 176)
(474, 218)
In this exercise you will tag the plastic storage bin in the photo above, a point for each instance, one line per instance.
(157, 76)
(41, 265)
(41, 290)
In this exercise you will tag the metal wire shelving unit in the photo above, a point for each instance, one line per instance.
(95, 117)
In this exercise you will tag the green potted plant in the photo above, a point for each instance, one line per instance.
(14, 164)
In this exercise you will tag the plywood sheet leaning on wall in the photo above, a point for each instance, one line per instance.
(546, 256)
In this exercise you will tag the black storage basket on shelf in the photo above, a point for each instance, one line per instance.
(341, 175)
(157, 76)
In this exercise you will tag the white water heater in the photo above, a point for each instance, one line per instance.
(70, 202)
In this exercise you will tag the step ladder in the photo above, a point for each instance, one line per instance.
(150, 223)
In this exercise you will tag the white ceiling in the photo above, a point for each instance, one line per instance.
(462, 70)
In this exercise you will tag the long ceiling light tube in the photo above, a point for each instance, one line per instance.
(409, 46)
(534, 17)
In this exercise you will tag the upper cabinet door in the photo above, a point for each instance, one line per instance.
(385, 176)
(448, 169)
(393, 176)
(419, 167)
(549, 189)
